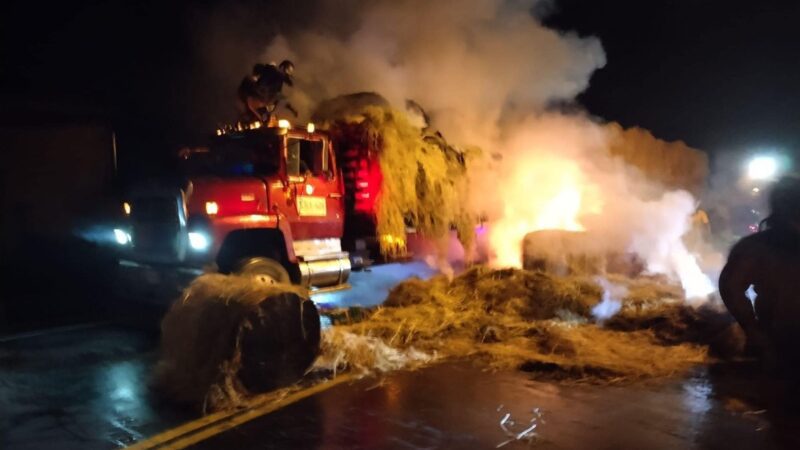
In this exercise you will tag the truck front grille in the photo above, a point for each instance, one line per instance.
(156, 228)
(155, 209)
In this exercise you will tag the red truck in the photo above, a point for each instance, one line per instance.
(265, 200)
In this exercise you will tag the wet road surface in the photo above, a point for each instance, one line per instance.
(87, 387)
(456, 405)
(79, 388)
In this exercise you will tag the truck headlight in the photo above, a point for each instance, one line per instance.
(198, 241)
(122, 236)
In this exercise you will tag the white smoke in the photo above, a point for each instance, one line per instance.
(486, 71)
(611, 302)
(467, 62)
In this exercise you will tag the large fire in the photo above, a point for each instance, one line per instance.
(559, 176)
(539, 195)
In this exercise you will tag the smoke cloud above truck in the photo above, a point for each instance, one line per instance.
(491, 75)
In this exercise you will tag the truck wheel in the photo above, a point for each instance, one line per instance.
(260, 266)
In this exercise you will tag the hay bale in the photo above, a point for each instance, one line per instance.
(565, 252)
(674, 165)
(424, 180)
(229, 337)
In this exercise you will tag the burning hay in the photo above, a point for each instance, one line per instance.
(424, 180)
(232, 336)
(533, 321)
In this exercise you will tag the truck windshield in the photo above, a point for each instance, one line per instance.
(306, 156)
(251, 154)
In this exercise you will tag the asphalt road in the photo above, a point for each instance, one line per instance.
(86, 387)
(458, 406)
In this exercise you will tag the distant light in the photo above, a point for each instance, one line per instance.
(198, 241)
(127, 208)
(309, 189)
(762, 168)
(756, 190)
(256, 125)
(122, 236)
(283, 123)
(212, 208)
(310, 128)
(219, 132)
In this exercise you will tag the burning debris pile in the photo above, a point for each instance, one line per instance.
(229, 337)
(512, 318)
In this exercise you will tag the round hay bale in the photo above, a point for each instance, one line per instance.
(231, 336)
(565, 252)
(279, 341)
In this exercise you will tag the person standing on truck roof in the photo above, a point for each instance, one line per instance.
(767, 264)
(261, 92)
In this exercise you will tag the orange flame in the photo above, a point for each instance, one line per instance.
(541, 194)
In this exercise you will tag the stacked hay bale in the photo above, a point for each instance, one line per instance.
(424, 179)
(673, 164)
(230, 337)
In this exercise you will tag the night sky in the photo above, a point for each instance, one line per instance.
(720, 75)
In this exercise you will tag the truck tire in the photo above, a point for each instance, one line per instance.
(260, 266)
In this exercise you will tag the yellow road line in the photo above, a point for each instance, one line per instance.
(208, 426)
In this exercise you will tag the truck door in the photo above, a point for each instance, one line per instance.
(312, 174)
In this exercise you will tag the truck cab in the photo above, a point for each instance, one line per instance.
(255, 199)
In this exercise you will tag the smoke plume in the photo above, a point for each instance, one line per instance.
(469, 63)
(486, 72)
